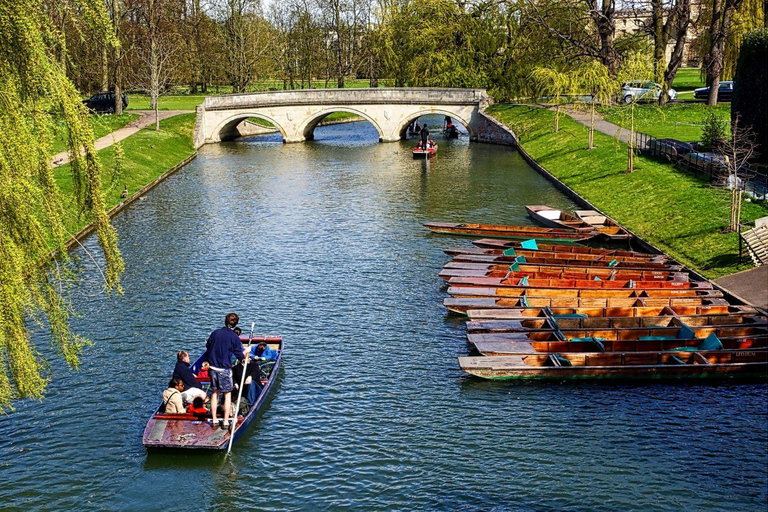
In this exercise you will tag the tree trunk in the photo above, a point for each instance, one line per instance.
(592, 125)
(659, 41)
(603, 17)
(722, 12)
(104, 69)
(682, 22)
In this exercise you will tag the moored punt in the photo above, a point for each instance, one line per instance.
(461, 305)
(568, 262)
(670, 311)
(462, 269)
(191, 431)
(495, 244)
(617, 365)
(516, 232)
(493, 255)
(576, 284)
(746, 335)
(614, 322)
(555, 218)
(598, 220)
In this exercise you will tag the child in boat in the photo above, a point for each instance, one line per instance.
(197, 407)
(203, 373)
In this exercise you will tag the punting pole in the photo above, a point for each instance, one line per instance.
(233, 425)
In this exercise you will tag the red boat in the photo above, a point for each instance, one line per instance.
(430, 151)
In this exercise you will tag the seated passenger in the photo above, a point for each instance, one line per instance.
(203, 373)
(263, 352)
(172, 402)
(251, 384)
(184, 374)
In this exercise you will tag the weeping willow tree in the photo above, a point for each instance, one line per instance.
(636, 67)
(552, 85)
(35, 98)
(593, 80)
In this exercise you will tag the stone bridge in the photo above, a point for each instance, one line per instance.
(296, 113)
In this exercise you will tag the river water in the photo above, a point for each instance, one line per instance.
(322, 242)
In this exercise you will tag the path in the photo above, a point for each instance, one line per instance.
(146, 118)
(601, 125)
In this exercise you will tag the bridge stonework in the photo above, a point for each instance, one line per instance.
(296, 113)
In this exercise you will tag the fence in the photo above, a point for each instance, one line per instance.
(709, 166)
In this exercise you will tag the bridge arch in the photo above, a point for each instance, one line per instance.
(453, 115)
(227, 129)
(308, 129)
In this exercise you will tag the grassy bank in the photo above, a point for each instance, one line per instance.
(677, 212)
(147, 155)
(682, 121)
(330, 118)
(102, 125)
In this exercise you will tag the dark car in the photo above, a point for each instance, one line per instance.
(670, 148)
(724, 92)
(104, 102)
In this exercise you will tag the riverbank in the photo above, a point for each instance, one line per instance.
(676, 212)
(148, 157)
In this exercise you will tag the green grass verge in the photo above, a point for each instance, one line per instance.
(102, 125)
(675, 211)
(147, 155)
(682, 121)
(334, 117)
(687, 79)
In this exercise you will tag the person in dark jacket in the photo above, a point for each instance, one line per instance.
(424, 137)
(185, 375)
(221, 346)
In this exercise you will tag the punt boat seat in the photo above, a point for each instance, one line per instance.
(598, 342)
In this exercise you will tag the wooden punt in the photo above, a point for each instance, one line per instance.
(616, 322)
(189, 431)
(461, 305)
(617, 365)
(515, 232)
(563, 293)
(749, 334)
(598, 220)
(576, 284)
(463, 269)
(670, 311)
(490, 255)
(495, 244)
(555, 218)
(568, 262)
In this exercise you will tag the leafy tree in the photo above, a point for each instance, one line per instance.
(34, 96)
(593, 80)
(552, 85)
(714, 132)
(749, 99)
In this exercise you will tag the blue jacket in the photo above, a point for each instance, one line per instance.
(222, 344)
(183, 373)
(268, 354)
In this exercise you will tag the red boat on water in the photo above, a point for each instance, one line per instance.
(430, 151)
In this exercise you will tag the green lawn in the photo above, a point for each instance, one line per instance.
(102, 125)
(148, 154)
(176, 102)
(688, 79)
(682, 121)
(673, 210)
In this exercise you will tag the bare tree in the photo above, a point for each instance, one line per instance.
(344, 23)
(246, 40)
(738, 151)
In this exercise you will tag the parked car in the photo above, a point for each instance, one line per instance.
(104, 102)
(671, 148)
(724, 92)
(705, 162)
(642, 90)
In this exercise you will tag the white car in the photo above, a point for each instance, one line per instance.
(642, 90)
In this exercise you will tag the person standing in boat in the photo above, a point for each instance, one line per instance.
(424, 137)
(222, 344)
(184, 374)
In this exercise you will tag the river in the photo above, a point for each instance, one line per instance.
(322, 242)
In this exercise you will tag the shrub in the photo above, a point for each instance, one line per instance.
(713, 133)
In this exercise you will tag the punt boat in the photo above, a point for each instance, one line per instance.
(556, 323)
(676, 311)
(618, 365)
(576, 284)
(516, 232)
(461, 305)
(464, 269)
(552, 217)
(424, 153)
(478, 254)
(190, 431)
(495, 244)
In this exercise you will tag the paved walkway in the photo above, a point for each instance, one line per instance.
(146, 118)
(750, 285)
(601, 125)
